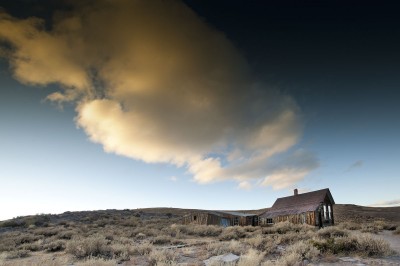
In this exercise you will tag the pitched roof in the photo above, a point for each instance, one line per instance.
(230, 213)
(242, 214)
(300, 203)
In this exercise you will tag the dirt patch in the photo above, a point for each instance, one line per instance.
(394, 240)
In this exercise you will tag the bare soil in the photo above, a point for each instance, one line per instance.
(394, 240)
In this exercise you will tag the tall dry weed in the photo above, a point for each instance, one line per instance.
(251, 258)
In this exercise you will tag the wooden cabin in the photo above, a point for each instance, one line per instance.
(221, 218)
(313, 208)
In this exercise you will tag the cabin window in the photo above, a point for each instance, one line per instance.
(255, 220)
(195, 217)
(325, 212)
(303, 218)
(270, 221)
(329, 212)
(235, 221)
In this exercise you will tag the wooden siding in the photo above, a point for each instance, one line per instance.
(197, 218)
(313, 208)
(204, 218)
(301, 218)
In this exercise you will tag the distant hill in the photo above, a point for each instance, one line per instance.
(342, 213)
(350, 212)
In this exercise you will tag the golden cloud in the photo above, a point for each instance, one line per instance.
(153, 82)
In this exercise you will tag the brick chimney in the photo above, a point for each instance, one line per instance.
(296, 192)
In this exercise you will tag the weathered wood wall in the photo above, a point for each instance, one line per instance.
(203, 218)
(306, 218)
(196, 218)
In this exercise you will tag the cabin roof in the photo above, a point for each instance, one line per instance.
(299, 203)
(225, 213)
(242, 214)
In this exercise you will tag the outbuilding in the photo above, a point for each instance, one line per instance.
(222, 218)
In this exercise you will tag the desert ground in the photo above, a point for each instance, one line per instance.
(361, 236)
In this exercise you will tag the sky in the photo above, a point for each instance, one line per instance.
(196, 104)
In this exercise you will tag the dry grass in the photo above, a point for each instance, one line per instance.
(96, 262)
(162, 257)
(106, 239)
(220, 248)
(233, 232)
(252, 257)
(263, 243)
(356, 243)
(93, 246)
(369, 245)
(15, 254)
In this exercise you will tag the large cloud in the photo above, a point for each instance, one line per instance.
(153, 82)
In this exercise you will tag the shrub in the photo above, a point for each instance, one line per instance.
(96, 262)
(7, 244)
(124, 240)
(350, 226)
(162, 257)
(47, 232)
(26, 238)
(370, 228)
(267, 244)
(147, 231)
(38, 220)
(383, 225)
(161, 240)
(36, 246)
(360, 243)
(93, 246)
(372, 246)
(131, 222)
(342, 245)
(397, 231)
(233, 232)
(286, 227)
(289, 259)
(283, 227)
(143, 248)
(219, 248)
(332, 231)
(291, 237)
(12, 223)
(16, 254)
(66, 234)
(252, 257)
(305, 250)
(140, 236)
(121, 251)
(54, 246)
(250, 228)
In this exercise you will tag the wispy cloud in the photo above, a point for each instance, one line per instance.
(173, 178)
(153, 82)
(355, 165)
(388, 203)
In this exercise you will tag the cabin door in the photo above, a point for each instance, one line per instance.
(320, 219)
(224, 222)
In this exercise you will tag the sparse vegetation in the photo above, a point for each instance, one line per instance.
(92, 246)
(151, 238)
(356, 243)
